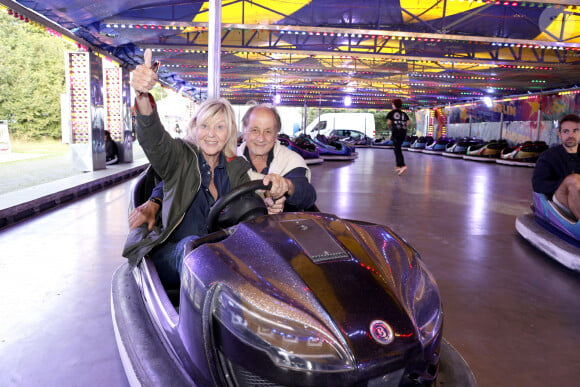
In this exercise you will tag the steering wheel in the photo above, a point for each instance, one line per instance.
(234, 207)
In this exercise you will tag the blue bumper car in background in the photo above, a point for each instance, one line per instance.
(332, 149)
(439, 146)
(421, 143)
(383, 142)
(352, 137)
(552, 230)
(308, 151)
(459, 149)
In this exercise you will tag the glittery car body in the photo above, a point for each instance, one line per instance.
(291, 299)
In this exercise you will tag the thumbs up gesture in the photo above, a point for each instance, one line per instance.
(144, 77)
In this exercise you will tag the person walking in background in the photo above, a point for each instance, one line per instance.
(557, 172)
(398, 121)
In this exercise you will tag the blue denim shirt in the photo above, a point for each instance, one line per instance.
(194, 221)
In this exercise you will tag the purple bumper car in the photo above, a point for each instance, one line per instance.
(295, 299)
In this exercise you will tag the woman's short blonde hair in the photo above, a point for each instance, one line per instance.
(209, 111)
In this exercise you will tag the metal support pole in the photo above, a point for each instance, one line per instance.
(448, 120)
(318, 125)
(304, 118)
(469, 107)
(214, 49)
(501, 126)
(538, 120)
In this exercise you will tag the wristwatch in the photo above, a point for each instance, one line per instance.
(156, 201)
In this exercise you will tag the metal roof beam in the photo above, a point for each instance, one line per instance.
(398, 57)
(466, 17)
(357, 31)
(418, 17)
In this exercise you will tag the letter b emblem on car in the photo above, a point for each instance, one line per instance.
(381, 332)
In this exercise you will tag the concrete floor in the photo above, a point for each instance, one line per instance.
(512, 312)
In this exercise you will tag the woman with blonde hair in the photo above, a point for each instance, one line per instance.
(211, 110)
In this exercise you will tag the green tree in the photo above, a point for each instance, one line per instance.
(381, 129)
(32, 78)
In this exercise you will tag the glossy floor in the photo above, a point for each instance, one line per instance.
(511, 311)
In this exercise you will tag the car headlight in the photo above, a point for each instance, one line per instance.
(425, 302)
(290, 337)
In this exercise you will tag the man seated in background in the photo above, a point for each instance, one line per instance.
(260, 127)
(557, 172)
(111, 150)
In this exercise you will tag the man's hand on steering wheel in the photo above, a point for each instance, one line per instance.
(275, 207)
(280, 185)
